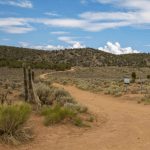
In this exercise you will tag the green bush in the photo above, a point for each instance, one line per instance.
(12, 123)
(133, 75)
(148, 76)
(56, 114)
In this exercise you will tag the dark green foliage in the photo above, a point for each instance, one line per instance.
(133, 75)
(148, 76)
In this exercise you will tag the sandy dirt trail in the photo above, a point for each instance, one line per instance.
(127, 127)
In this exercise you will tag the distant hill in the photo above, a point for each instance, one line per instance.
(63, 59)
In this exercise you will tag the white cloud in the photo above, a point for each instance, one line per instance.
(96, 16)
(78, 45)
(47, 47)
(23, 44)
(40, 47)
(117, 49)
(59, 32)
(53, 14)
(83, 24)
(17, 30)
(67, 39)
(130, 4)
(15, 25)
(18, 3)
(71, 41)
(136, 13)
(87, 21)
(50, 47)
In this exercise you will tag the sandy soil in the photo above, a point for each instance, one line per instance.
(126, 127)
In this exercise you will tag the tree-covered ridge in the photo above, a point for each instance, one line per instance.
(64, 59)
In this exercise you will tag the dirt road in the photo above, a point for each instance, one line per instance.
(127, 127)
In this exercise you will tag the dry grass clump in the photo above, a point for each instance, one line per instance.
(76, 107)
(49, 94)
(43, 91)
(12, 123)
(145, 99)
(114, 90)
(92, 85)
(62, 96)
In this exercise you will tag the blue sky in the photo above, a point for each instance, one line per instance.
(116, 26)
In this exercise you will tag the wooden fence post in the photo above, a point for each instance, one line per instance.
(25, 82)
(33, 77)
(30, 84)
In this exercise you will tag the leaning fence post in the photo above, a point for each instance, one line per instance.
(30, 84)
(33, 76)
(25, 82)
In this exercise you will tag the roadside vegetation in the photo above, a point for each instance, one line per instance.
(109, 81)
(57, 106)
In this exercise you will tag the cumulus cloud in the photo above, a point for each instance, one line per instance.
(40, 47)
(117, 49)
(47, 47)
(50, 46)
(18, 3)
(71, 41)
(78, 45)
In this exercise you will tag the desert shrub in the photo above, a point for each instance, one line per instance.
(76, 107)
(57, 114)
(61, 93)
(43, 91)
(61, 96)
(78, 122)
(114, 90)
(145, 99)
(12, 123)
(90, 119)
